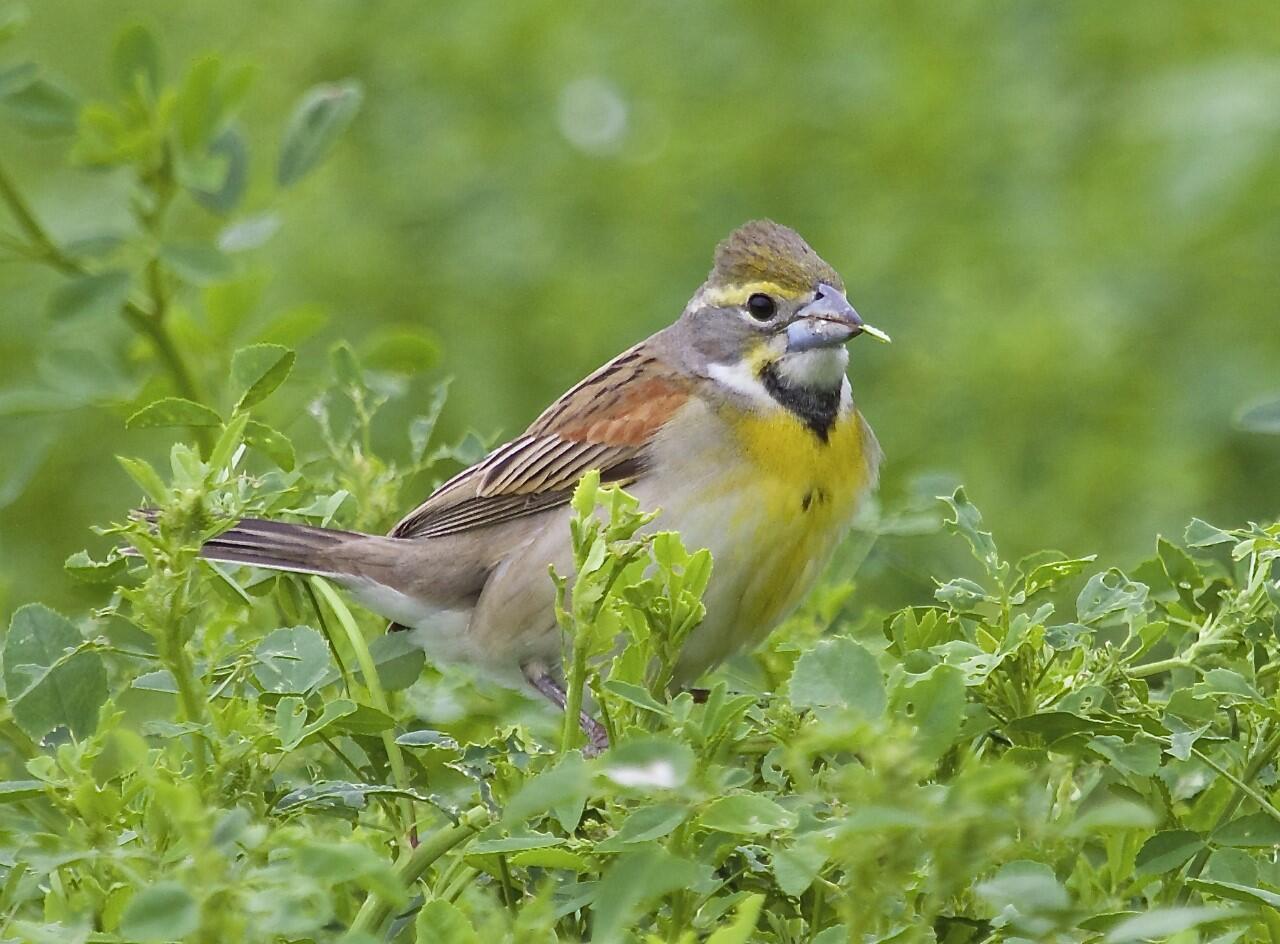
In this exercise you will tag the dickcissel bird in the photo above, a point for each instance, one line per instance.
(737, 421)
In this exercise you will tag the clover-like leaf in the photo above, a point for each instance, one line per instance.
(291, 660)
(173, 411)
(838, 672)
(165, 911)
(257, 370)
(50, 681)
(318, 119)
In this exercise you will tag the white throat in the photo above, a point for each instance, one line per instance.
(821, 368)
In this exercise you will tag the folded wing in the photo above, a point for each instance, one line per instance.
(606, 422)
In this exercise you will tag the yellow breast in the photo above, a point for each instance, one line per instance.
(792, 462)
(802, 492)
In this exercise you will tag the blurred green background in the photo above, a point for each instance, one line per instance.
(1067, 215)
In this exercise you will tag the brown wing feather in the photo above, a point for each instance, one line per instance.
(606, 422)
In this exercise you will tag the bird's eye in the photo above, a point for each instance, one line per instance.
(761, 306)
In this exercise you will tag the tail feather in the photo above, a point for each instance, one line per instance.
(278, 545)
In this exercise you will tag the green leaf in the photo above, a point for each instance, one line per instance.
(1139, 756)
(836, 934)
(258, 370)
(934, 702)
(795, 867)
(90, 296)
(397, 658)
(1178, 566)
(1167, 850)
(228, 441)
(159, 681)
(1112, 815)
(135, 62)
(634, 879)
(1232, 865)
(562, 789)
(18, 77)
(291, 718)
(345, 365)
(550, 857)
(966, 523)
(961, 594)
(1163, 923)
(440, 922)
(1109, 592)
(1237, 892)
(1030, 888)
(145, 477)
(1047, 575)
(87, 570)
(292, 660)
(401, 350)
(491, 841)
(318, 119)
(249, 233)
(207, 99)
(365, 719)
(1254, 831)
(173, 411)
(746, 814)
(11, 791)
(43, 108)
(46, 688)
(163, 912)
(743, 925)
(425, 737)
(644, 825)
(1261, 417)
(838, 672)
(343, 795)
(1202, 534)
(197, 263)
(272, 443)
(222, 188)
(636, 695)
(13, 17)
(1227, 686)
(335, 863)
(1066, 636)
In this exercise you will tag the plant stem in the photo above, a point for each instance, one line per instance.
(193, 706)
(571, 732)
(374, 687)
(1260, 759)
(24, 217)
(150, 324)
(1155, 668)
(376, 909)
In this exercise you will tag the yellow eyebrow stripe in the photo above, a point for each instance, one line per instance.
(733, 295)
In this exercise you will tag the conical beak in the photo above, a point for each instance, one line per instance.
(827, 321)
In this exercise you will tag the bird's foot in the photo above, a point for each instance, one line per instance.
(544, 682)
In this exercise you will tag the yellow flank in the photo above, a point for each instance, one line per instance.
(803, 492)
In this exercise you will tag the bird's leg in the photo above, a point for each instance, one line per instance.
(544, 682)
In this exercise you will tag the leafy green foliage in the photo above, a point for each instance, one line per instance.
(1041, 749)
(975, 768)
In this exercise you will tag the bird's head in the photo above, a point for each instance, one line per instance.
(773, 304)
